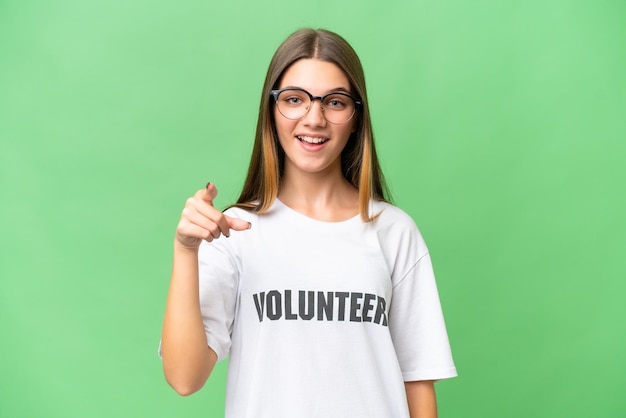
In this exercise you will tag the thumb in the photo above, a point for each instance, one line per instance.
(237, 224)
(210, 193)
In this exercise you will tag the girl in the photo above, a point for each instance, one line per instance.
(320, 292)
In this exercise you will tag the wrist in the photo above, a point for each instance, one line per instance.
(183, 249)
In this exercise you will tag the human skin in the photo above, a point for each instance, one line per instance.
(319, 78)
(313, 183)
(421, 398)
(187, 358)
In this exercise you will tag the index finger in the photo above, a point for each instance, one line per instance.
(209, 211)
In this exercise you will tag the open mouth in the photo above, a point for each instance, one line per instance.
(312, 140)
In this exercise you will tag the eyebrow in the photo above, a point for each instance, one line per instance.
(336, 89)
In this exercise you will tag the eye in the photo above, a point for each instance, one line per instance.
(336, 102)
(293, 98)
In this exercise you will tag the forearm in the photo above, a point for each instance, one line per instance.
(187, 359)
(421, 398)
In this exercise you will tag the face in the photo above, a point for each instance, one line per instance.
(311, 143)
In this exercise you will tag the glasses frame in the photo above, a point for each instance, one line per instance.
(276, 93)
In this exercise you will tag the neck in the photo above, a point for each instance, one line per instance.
(326, 196)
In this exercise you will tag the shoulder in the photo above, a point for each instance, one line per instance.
(397, 229)
(389, 215)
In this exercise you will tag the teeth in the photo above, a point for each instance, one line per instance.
(312, 140)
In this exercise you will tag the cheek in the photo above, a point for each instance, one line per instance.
(283, 133)
(282, 125)
(351, 139)
(348, 132)
(355, 123)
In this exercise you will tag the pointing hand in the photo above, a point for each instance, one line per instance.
(201, 221)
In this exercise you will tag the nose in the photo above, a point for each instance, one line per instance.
(315, 115)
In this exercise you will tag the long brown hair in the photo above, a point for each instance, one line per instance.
(359, 162)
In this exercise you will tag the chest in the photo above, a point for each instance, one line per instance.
(315, 276)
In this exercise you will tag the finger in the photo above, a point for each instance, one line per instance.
(237, 224)
(190, 235)
(209, 221)
(204, 209)
(210, 193)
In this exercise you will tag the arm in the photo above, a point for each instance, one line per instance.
(421, 398)
(187, 358)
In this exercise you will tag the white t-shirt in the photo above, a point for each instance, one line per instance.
(323, 319)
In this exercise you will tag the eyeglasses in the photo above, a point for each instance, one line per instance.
(294, 103)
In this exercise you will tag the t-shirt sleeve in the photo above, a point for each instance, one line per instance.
(218, 274)
(417, 325)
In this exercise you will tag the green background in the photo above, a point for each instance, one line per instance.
(501, 129)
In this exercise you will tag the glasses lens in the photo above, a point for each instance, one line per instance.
(293, 104)
(337, 108)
